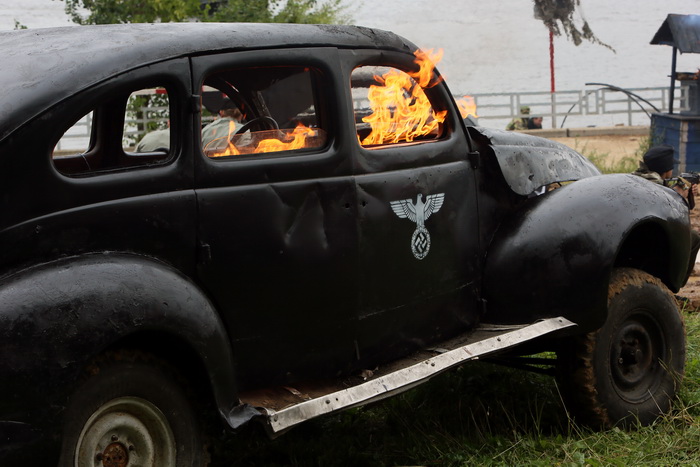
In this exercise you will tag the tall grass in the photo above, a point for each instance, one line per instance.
(603, 162)
(480, 414)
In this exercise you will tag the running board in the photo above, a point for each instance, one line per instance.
(490, 339)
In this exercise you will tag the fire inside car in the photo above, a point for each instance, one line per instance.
(262, 110)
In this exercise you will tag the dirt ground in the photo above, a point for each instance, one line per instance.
(616, 146)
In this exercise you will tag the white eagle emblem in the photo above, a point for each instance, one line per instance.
(419, 212)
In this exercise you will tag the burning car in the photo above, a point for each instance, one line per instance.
(349, 222)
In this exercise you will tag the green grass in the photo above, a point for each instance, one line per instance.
(624, 165)
(480, 414)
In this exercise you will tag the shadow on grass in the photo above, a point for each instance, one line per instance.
(479, 410)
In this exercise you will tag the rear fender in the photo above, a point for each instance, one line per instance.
(56, 317)
(555, 255)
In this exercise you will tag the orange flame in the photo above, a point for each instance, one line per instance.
(400, 109)
(284, 140)
(426, 61)
(467, 106)
(300, 134)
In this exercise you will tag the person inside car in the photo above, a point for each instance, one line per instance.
(155, 141)
(220, 130)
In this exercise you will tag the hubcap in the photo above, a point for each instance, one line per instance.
(126, 432)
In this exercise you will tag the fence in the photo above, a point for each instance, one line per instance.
(601, 106)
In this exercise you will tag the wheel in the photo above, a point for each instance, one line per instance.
(131, 412)
(630, 369)
(263, 122)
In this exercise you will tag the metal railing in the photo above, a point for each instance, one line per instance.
(568, 109)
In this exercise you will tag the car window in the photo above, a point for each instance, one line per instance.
(76, 140)
(91, 144)
(392, 107)
(147, 122)
(261, 110)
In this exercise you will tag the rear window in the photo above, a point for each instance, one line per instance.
(124, 131)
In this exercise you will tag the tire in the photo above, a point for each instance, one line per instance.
(132, 412)
(630, 369)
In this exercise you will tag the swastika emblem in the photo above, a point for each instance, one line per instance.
(419, 212)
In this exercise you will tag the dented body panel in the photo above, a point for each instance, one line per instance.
(528, 162)
(286, 267)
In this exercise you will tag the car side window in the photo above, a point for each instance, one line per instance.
(147, 122)
(391, 107)
(261, 110)
(126, 130)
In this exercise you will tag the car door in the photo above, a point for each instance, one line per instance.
(276, 209)
(417, 214)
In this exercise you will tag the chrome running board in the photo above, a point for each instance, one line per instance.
(403, 379)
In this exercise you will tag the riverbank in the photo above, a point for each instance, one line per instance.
(618, 142)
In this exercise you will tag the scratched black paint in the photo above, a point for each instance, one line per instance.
(270, 270)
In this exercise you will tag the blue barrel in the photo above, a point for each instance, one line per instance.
(683, 133)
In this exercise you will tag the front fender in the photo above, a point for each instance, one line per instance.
(55, 317)
(554, 256)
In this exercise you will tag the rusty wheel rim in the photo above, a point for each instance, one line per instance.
(126, 432)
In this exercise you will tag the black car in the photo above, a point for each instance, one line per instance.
(340, 236)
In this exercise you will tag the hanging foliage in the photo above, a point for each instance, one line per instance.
(147, 11)
(559, 14)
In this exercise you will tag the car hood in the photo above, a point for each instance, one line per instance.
(529, 162)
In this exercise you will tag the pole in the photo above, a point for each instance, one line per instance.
(673, 81)
(551, 78)
(551, 61)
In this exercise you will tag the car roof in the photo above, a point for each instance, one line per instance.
(42, 67)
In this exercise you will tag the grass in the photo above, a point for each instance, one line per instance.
(480, 414)
(624, 165)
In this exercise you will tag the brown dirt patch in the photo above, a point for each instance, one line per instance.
(615, 146)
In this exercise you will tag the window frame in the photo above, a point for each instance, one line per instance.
(108, 104)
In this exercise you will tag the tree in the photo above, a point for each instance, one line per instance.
(147, 11)
(133, 11)
(279, 11)
(310, 12)
(553, 12)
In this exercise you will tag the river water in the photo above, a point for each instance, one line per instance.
(496, 46)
